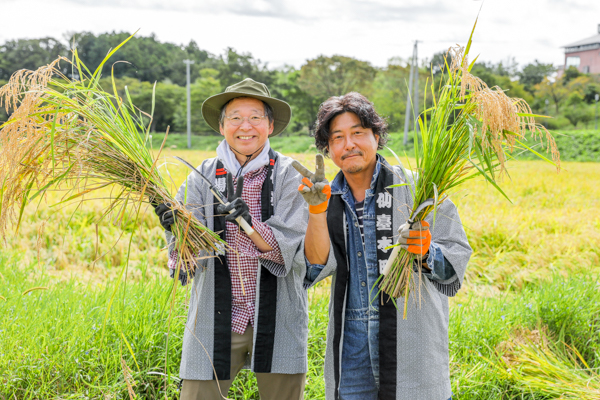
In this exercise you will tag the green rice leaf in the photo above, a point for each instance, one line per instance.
(397, 185)
(403, 169)
(96, 75)
(80, 66)
(130, 351)
(535, 152)
(472, 64)
(471, 135)
(490, 180)
(435, 203)
(128, 96)
(470, 41)
(52, 182)
(24, 203)
(153, 100)
(533, 115)
(52, 131)
(79, 194)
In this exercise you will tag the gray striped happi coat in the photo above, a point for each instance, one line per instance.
(287, 353)
(421, 341)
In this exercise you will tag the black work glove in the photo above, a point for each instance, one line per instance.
(166, 215)
(235, 203)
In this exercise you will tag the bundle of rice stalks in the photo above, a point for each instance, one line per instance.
(470, 131)
(532, 362)
(72, 136)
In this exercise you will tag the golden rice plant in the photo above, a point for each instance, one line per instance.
(532, 362)
(71, 136)
(470, 131)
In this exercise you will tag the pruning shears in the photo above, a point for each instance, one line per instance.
(241, 221)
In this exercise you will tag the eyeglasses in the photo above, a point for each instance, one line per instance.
(254, 120)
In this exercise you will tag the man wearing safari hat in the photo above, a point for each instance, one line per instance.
(247, 308)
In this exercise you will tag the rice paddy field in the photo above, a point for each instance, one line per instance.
(77, 322)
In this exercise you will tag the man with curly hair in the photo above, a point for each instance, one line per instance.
(372, 353)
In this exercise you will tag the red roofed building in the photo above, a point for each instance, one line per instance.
(584, 55)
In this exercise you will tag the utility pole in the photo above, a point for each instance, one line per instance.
(413, 68)
(189, 107)
(597, 97)
(546, 112)
(416, 92)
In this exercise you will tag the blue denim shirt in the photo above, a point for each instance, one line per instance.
(360, 348)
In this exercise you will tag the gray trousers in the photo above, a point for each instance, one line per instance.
(270, 386)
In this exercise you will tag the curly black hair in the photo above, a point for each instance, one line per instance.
(351, 102)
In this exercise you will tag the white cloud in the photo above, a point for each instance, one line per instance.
(290, 31)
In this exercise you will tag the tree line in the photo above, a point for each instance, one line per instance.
(150, 64)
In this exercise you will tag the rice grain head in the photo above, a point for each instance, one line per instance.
(74, 138)
(504, 120)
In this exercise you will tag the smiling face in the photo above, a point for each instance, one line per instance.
(351, 147)
(246, 138)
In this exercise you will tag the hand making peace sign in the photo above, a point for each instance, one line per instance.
(314, 188)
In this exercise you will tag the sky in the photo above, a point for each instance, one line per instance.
(290, 32)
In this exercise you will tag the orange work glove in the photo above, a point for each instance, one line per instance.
(415, 239)
(315, 188)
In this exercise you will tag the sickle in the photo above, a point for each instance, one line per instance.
(421, 207)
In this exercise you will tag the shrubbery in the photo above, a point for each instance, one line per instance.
(574, 146)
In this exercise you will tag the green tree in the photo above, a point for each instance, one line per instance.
(577, 111)
(29, 54)
(586, 86)
(304, 106)
(574, 99)
(577, 114)
(498, 75)
(3, 113)
(235, 67)
(202, 60)
(167, 99)
(492, 73)
(205, 86)
(590, 92)
(324, 77)
(534, 73)
(570, 74)
(554, 91)
(390, 89)
(146, 58)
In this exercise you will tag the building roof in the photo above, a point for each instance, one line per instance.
(591, 40)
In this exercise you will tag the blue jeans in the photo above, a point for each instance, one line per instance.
(357, 380)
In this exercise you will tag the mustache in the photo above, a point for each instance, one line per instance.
(352, 153)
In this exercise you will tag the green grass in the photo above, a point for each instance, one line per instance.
(51, 342)
(581, 145)
(523, 255)
(52, 345)
(481, 329)
(287, 143)
(573, 145)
